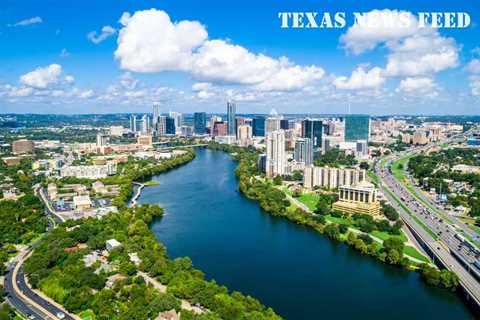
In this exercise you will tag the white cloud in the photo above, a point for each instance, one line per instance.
(26, 22)
(360, 79)
(128, 81)
(19, 92)
(107, 31)
(69, 79)
(473, 66)
(475, 85)
(85, 94)
(413, 50)
(64, 53)
(422, 55)
(42, 76)
(203, 94)
(151, 42)
(419, 86)
(199, 86)
(380, 26)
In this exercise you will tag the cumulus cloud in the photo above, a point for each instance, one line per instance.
(473, 66)
(107, 31)
(151, 42)
(85, 94)
(379, 26)
(418, 86)
(64, 53)
(29, 21)
(413, 50)
(69, 79)
(360, 79)
(422, 55)
(42, 77)
(128, 81)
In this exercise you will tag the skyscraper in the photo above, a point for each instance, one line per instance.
(357, 127)
(199, 122)
(244, 134)
(231, 110)
(272, 124)
(304, 151)
(170, 125)
(276, 153)
(312, 129)
(161, 125)
(133, 123)
(258, 126)
(156, 112)
(284, 124)
(146, 125)
(178, 118)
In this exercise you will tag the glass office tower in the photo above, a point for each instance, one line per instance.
(199, 122)
(258, 126)
(357, 127)
(232, 130)
(312, 129)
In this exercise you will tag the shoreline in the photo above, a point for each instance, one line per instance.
(133, 201)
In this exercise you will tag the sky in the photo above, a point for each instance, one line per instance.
(123, 56)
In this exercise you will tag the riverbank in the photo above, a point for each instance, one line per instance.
(275, 202)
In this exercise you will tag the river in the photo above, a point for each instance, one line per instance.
(299, 273)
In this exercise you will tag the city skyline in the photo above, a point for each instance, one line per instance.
(190, 58)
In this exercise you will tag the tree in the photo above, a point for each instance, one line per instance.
(277, 180)
(342, 228)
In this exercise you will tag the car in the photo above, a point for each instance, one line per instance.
(60, 315)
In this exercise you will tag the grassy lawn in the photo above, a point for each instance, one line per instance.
(310, 200)
(338, 220)
(412, 252)
(373, 177)
(385, 235)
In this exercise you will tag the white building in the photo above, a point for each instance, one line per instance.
(331, 178)
(276, 153)
(89, 172)
(112, 244)
(244, 134)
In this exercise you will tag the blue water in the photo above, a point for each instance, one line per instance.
(299, 273)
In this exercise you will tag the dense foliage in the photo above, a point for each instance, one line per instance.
(434, 169)
(62, 274)
(335, 158)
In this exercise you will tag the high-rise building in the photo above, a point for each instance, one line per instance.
(170, 125)
(199, 122)
(244, 134)
(304, 151)
(102, 140)
(156, 114)
(258, 126)
(284, 124)
(146, 125)
(161, 128)
(272, 124)
(357, 127)
(312, 129)
(276, 153)
(231, 110)
(220, 128)
(22, 146)
(133, 123)
(178, 118)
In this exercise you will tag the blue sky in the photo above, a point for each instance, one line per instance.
(52, 62)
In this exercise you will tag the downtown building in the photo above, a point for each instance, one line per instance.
(276, 159)
(303, 151)
(331, 178)
(231, 111)
(357, 127)
(313, 129)
(199, 123)
(258, 126)
(360, 197)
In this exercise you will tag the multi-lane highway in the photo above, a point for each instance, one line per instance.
(438, 235)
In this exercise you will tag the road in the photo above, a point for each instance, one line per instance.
(19, 294)
(436, 233)
(24, 299)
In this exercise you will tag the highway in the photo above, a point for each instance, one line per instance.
(439, 236)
